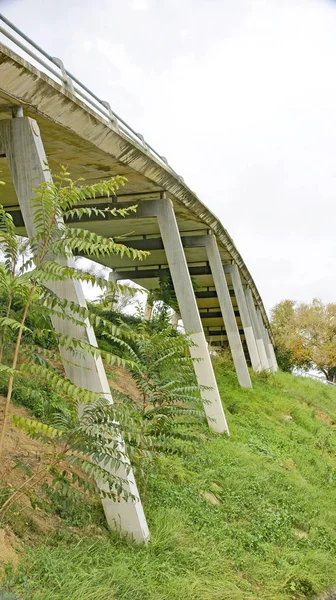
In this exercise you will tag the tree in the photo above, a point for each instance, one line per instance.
(305, 335)
(120, 300)
(79, 443)
(281, 315)
(168, 403)
(164, 299)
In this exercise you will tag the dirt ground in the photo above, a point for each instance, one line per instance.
(122, 381)
(319, 414)
(31, 523)
(9, 546)
(34, 523)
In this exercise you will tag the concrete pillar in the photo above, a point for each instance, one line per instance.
(175, 319)
(275, 362)
(148, 311)
(21, 142)
(257, 329)
(189, 313)
(265, 338)
(272, 353)
(268, 345)
(112, 276)
(229, 318)
(245, 316)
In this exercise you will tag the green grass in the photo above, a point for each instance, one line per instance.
(250, 517)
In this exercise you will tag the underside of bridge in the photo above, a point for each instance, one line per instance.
(75, 137)
(143, 233)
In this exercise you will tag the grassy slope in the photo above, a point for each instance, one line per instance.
(270, 535)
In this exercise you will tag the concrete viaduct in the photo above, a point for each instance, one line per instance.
(47, 114)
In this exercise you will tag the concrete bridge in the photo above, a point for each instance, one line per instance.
(46, 113)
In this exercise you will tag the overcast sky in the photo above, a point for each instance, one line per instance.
(240, 96)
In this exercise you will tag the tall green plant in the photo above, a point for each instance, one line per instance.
(164, 299)
(51, 248)
(167, 402)
(78, 452)
(12, 284)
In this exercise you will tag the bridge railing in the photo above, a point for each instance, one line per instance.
(55, 69)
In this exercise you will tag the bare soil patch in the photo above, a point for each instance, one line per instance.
(9, 546)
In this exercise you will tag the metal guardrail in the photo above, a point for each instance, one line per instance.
(76, 87)
(308, 375)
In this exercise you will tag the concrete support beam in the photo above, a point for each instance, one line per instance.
(272, 353)
(227, 311)
(206, 313)
(175, 319)
(189, 313)
(155, 243)
(267, 342)
(148, 311)
(209, 294)
(275, 362)
(264, 337)
(153, 272)
(245, 316)
(27, 162)
(257, 330)
(213, 330)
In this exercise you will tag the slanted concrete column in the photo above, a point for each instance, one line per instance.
(189, 313)
(148, 311)
(245, 316)
(22, 144)
(175, 319)
(267, 343)
(271, 348)
(264, 336)
(113, 276)
(257, 330)
(229, 318)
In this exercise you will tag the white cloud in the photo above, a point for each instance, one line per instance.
(139, 5)
(240, 96)
(185, 34)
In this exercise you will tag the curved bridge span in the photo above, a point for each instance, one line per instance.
(46, 113)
